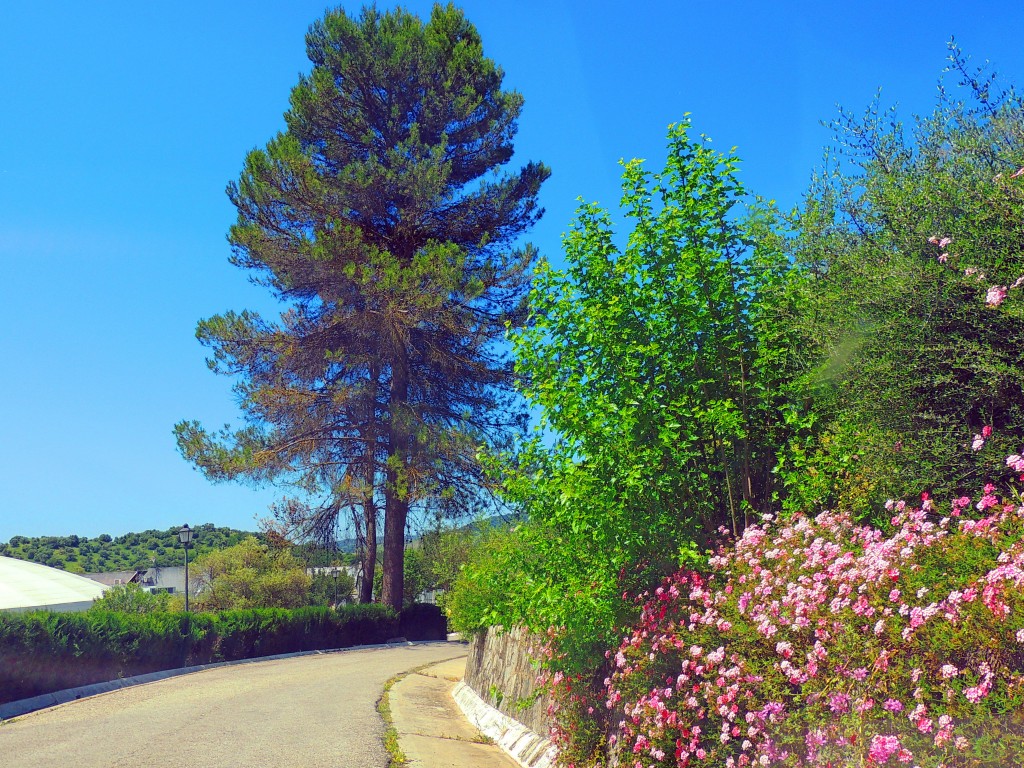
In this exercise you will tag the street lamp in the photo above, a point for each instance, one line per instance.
(185, 537)
(335, 575)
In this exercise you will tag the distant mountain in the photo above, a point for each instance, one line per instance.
(317, 555)
(348, 546)
(133, 551)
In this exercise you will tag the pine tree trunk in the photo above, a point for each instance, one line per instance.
(396, 495)
(371, 432)
(394, 552)
(370, 549)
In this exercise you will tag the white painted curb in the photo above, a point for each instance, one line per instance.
(519, 742)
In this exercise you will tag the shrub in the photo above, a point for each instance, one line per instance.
(819, 642)
(482, 594)
(43, 652)
(250, 574)
(131, 598)
(657, 381)
(423, 621)
(906, 313)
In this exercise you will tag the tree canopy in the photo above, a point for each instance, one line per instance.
(380, 217)
(650, 374)
(908, 254)
(249, 575)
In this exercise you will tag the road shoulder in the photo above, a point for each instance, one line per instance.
(432, 730)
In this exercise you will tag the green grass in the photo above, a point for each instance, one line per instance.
(396, 757)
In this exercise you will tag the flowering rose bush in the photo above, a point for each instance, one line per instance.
(818, 642)
(579, 719)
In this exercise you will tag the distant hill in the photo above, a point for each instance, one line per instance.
(346, 549)
(81, 554)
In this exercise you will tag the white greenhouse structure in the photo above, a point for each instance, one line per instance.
(26, 586)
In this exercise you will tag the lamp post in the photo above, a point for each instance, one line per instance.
(185, 537)
(335, 575)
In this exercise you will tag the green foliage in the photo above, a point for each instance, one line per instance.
(433, 561)
(446, 550)
(649, 369)
(482, 594)
(131, 598)
(901, 358)
(327, 589)
(43, 652)
(417, 574)
(417, 577)
(132, 551)
(49, 651)
(249, 575)
(842, 466)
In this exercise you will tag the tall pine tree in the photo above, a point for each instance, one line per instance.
(381, 219)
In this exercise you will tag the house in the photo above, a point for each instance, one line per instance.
(170, 579)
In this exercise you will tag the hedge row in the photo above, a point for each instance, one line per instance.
(44, 652)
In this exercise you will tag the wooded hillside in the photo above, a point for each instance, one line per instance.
(80, 554)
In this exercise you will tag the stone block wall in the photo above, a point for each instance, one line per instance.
(503, 673)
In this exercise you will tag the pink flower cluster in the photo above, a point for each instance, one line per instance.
(818, 642)
(979, 440)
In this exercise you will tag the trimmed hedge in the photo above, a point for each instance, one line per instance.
(423, 621)
(43, 652)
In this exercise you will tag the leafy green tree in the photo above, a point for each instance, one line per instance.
(647, 367)
(327, 589)
(131, 598)
(492, 584)
(249, 575)
(417, 579)
(903, 238)
(381, 219)
(446, 551)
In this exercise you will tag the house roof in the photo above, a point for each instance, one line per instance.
(112, 578)
(26, 586)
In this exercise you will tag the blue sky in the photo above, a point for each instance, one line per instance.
(122, 122)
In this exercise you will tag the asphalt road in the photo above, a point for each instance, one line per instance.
(303, 712)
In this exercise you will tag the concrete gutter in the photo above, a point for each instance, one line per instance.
(434, 733)
(527, 748)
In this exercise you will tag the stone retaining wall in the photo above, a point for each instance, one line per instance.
(503, 673)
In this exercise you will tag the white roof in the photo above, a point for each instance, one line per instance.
(26, 586)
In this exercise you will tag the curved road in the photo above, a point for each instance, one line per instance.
(303, 712)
